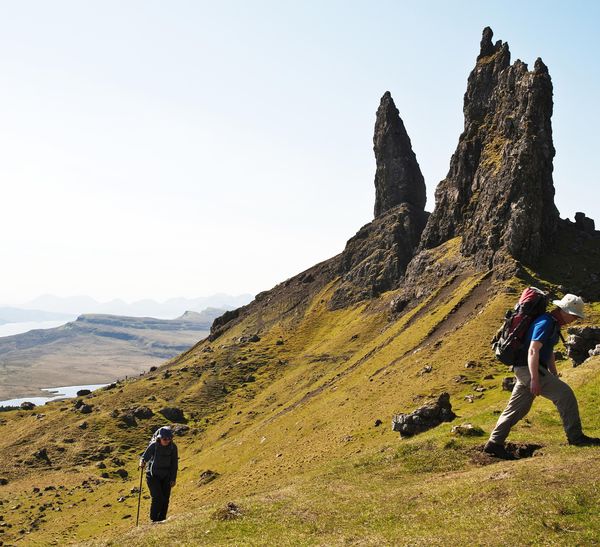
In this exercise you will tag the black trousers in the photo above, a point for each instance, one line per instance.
(160, 490)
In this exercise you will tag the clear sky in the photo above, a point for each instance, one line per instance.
(154, 149)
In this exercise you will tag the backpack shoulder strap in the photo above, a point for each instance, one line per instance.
(557, 331)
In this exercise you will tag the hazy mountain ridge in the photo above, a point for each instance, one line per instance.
(170, 308)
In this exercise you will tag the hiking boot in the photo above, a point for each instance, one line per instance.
(498, 451)
(584, 440)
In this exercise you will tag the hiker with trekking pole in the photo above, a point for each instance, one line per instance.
(526, 341)
(160, 460)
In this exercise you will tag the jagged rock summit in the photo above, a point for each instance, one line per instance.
(499, 194)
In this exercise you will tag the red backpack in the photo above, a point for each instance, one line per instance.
(508, 344)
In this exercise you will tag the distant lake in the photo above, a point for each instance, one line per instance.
(8, 329)
(54, 393)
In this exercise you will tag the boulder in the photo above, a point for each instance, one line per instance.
(180, 430)
(143, 413)
(26, 405)
(425, 417)
(207, 476)
(122, 473)
(172, 414)
(83, 392)
(580, 342)
(128, 419)
(41, 454)
(85, 409)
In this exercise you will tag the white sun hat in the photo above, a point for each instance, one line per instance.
(571, 304)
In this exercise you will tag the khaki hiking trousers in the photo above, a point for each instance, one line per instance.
(520, 402)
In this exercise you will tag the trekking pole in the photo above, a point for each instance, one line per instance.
(137, 520)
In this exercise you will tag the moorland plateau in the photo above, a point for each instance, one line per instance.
(94, 349)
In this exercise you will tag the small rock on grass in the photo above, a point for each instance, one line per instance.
(122, 473)
(230, 512)
(208, 476)
(468, 430)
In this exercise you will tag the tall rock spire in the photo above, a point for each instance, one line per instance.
(499, 194)
(398, 178)
(375, 259)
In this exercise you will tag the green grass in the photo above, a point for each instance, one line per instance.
(297, 449)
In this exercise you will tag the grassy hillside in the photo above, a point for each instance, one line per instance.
(289, 423)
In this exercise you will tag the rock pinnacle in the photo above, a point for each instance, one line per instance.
(398, 178)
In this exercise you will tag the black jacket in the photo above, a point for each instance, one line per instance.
(163, 460)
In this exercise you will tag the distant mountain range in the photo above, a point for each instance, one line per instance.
(56, 307)
(94, 349)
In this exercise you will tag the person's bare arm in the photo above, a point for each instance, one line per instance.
(533, 361)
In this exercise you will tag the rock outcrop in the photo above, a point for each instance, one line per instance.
(582, 343)
(375, 259)
(499, 194)
(398, 177)
(425, 417)
(585, 224)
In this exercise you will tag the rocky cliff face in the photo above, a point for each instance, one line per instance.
(398, 178)
(375, 259)
(498, 194)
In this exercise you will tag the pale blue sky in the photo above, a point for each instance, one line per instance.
(157, 149)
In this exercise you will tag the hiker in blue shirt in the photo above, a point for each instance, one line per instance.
(161, 462)
(537, 375)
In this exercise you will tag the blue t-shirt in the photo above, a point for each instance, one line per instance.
(543, 329)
